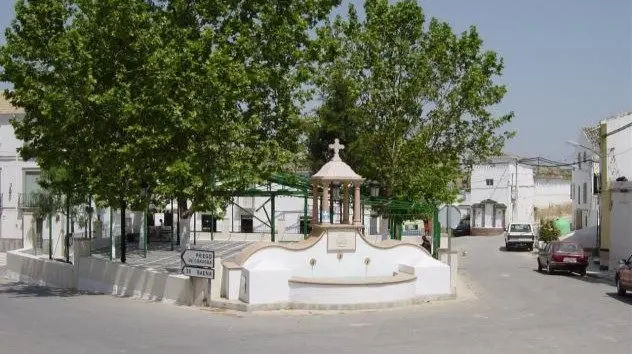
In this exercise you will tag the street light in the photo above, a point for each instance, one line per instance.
(574, 143)
(375, 189)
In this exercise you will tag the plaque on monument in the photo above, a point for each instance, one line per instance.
(340, 241)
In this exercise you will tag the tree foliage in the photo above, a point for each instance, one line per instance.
(548, 231)
(413, 99)
(186, 97)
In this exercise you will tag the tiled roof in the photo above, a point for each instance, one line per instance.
(6, 107)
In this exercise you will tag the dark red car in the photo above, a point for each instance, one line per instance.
(623, 279)
(560, 255)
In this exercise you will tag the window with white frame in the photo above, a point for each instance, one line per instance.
(31, 186)
(489, 182)
(585, 193)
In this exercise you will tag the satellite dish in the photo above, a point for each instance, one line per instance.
(455, 216)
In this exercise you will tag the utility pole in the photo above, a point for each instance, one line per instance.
(514, 193)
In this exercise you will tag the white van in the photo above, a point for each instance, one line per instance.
(519, 235)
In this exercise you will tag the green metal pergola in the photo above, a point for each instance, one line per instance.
(296, 185)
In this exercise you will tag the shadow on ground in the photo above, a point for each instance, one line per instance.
(505, 249)
(627, 299)
(589, 278)
(28, 290)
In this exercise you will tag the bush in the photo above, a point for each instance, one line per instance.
(548, 231)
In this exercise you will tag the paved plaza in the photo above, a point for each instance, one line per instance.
(160, 256)
(507, 307)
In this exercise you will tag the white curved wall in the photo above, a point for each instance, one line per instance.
(265, 275)
(350, 294)
(383, 262)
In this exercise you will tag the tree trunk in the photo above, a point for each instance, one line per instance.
(183, 224)
(123, 239)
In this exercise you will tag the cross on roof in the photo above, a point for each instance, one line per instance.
(336, 147)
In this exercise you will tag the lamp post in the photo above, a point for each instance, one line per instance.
(143, 192)
(375, 189)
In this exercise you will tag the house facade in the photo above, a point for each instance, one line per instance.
(585, 176)
(505, 190)
(501, 191)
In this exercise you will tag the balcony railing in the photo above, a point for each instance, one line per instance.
(27, 200)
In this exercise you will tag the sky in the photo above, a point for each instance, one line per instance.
(568, 63)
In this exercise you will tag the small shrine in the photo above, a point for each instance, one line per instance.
(336, 265)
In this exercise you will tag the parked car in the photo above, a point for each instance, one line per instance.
(462, 229)
(519, 235)
(562, 255)
(623, 278)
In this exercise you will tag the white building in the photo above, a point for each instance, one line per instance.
(18, 179)
(584, 186)
(504, 191)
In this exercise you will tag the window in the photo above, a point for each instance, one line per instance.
(489, 182)
(585, 156)
(573, 191)
(246, 224)
(585, 193)
(30, 187)
(520, 228)
(579, 193)
(596, 183)
(209, 222)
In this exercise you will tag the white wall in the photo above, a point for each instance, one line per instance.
(619, 147)
(620, 224)
(504, 177)
(550, 191)
(583, 174)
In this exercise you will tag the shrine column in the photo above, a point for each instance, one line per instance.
(356, 205)
(325, 205)
(345, 203)
(315, 213)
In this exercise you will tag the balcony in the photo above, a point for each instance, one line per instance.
(27, 200)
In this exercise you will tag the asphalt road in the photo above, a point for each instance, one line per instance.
(511, 308)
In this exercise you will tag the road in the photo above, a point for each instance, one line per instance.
(511, 309)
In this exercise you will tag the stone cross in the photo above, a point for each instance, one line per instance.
(336, 147)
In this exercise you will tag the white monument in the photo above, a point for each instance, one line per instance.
(336, 264)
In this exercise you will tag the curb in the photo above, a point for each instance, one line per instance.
(243, 307)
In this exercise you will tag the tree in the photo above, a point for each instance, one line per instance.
(548, 231)
(182, 96)
(423, 101)
(44, 206)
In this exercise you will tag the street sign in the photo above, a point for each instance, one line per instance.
(199, 272)
(198, 258)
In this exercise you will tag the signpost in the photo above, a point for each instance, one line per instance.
(199, 264)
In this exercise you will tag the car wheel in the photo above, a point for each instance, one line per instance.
(539, 266)
(620, 290)
(549, 269)
(582, 272)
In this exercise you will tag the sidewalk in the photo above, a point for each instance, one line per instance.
(594, 271)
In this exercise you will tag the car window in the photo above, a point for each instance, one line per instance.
(568, 247)
(520, 228)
